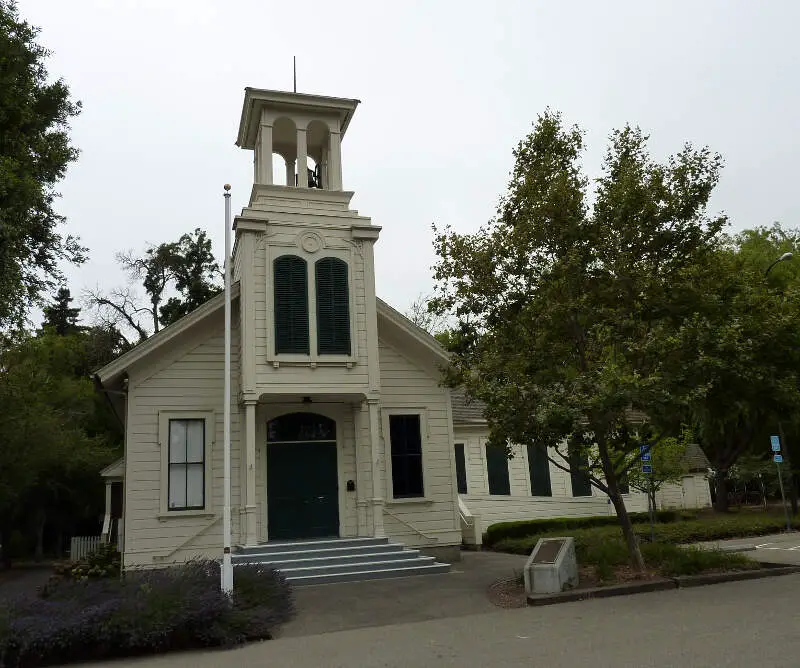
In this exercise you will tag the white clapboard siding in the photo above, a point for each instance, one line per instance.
(187, 377)
(407, 384)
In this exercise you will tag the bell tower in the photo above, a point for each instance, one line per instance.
(300, 128)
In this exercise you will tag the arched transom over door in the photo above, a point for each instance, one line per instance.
(302, 478)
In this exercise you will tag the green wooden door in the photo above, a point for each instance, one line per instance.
(302, 490)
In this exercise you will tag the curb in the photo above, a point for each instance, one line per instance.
(681, 582)
(602, 592)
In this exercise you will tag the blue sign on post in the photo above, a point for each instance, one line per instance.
(778, 459)
(645, 456)
(647, 468)
(776, 443)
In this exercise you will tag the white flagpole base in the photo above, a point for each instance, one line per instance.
(227, 574)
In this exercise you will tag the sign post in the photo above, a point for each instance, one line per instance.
(647, 467)
(777, 457)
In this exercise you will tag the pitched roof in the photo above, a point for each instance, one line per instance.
(466, 411)
(695, 459)
(118, 366)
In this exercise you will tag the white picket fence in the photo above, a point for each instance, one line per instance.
(83, 546)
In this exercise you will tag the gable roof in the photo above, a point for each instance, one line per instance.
(117, 367)
(467, 411)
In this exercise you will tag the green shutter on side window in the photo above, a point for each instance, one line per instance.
(333, 307)
(291, 305)
(539, 471)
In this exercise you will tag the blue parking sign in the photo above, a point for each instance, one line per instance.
(776, 443)
(647, 468)
(778, 459)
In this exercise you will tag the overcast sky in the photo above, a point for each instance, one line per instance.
(447, 90)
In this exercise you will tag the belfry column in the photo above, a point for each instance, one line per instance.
(302, 158)
(335, 161)
(264, 151)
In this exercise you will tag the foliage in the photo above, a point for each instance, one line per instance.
(559, 303)
(53, 440)
(689, 531)
(60, 316)
(734, 361)
(667, 460)
(145, 612)
(522, 528)
(35, 151)
(422, 316)
(105, 562)
(186, 266)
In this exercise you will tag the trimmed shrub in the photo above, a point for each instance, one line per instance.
(105, 562)
(147, 611)
(520, 529)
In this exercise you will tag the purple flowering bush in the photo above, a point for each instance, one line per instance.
(146, 611)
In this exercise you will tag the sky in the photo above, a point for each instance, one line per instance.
(447, 89)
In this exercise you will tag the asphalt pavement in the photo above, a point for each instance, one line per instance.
(782, 548)
(751, 623)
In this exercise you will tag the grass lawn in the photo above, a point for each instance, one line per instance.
(603, 555)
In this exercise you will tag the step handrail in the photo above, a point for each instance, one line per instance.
(411, 526)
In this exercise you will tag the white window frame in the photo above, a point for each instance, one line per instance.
(386, 413)
(273, 253)
(164, 418)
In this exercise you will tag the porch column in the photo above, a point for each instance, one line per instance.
(360, 422)
(249, 459)
(376, 450)
(105, 534)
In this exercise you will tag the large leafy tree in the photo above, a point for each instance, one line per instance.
(51, 447)
(177, 277)
(735, 359)
(35, 151)
(557, 297)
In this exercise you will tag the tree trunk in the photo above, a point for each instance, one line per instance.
(41, 519)
(619, 506)
(721, 491)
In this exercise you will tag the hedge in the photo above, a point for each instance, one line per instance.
(144, 612)
(692, 531)
(523, 528)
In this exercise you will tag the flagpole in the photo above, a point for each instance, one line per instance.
(227, 566)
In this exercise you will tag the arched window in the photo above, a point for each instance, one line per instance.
(291, 305)
(333, 307)
(302, 427)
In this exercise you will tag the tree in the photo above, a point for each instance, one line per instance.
(667, 461)
(186, 266)
(734, 360)
(49, 463)
(421, 315)
(35, 151)
(556, 299)
(60, 316)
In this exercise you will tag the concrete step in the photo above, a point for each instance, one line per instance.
(306, 545)
(338, 560)
(310, 559)
(359, 566)
(285, 555)
(356, 576)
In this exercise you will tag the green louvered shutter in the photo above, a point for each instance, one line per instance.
(291, 305)
(539, 471)
(497, 470)
(578, 464)
(333, 307)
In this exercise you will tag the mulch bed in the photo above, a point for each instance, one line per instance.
(510, 592)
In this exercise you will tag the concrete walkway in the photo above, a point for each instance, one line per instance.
(781, 548)
(736, 624)
(352, 605)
